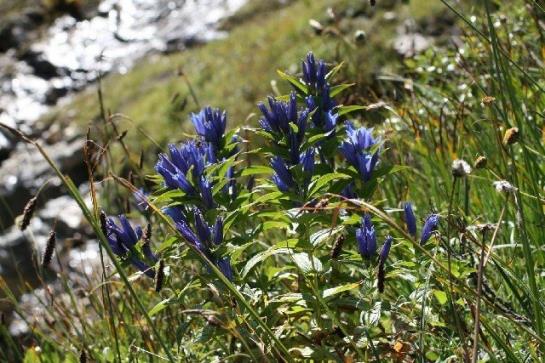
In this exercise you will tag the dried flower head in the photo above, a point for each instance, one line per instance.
(27, 213)
(49, 249)
(487, 100)
(337, 247)
(485, 227)
(360, 36)
(480, 162)
(460, 168)
(503, 186)
(511, 136)
(160, 276)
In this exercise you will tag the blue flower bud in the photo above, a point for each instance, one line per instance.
(430, 225)
(410, 219)
(366, 237)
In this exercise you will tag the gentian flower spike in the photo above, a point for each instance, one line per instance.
(141, 198)
(354, 149)
(366, 237)
(224, 266)
(122, 239)
(385, 251)
(307, 160)
(218, 231)
(202, 228)
(314, 74)
(430, 225)
(210, 125)
(410, 219)
(282, 176)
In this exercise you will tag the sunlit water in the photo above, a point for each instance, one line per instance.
(122, 32)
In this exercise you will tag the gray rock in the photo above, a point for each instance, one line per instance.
(26, 171)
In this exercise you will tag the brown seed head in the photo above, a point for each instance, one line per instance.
(160, 276)
(337, 247)
(480, 162)
(49, 249)
(511, 136)
(27, 213)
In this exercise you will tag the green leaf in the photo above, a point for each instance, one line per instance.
(257, 169)
(373, 316)
(441, 296)
(306, 264)
(335, 90)
(324, 179)
(334, 70)
(294, 81)
(283, 247)
(319, 237)
(343, 110)
(274, 225)
(261, 199)
(338, 289)
(159, 307)
(315, 139)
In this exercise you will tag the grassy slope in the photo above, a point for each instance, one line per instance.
(235, 72)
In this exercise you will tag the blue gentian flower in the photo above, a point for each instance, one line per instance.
(185, 163)
(202, 228)
(314, 74)
(141, 198)
(224, 266)
(282, 176)
(366, 237)
(205, 187)
(410, 219)
(307, 160)
(348, 192)
(122, 239)
(175, 213)
(218, 231)
(355, 147)
(203, 238)
(191, 237)
(386, 249)
(231, 187)
(210, 125)
(330, 121)
(280, 114)
(430, 225)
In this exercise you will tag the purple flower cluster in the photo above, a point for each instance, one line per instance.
(288, 126)
(204, 237)
(319, 99)
(184, 168)
(356, 150)
(210, 125)
(123, 239)
(367, 240)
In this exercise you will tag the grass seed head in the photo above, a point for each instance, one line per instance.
(511, 136)
(27, 213)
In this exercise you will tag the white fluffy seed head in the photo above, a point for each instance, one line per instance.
(503, 186)
(460, 168)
